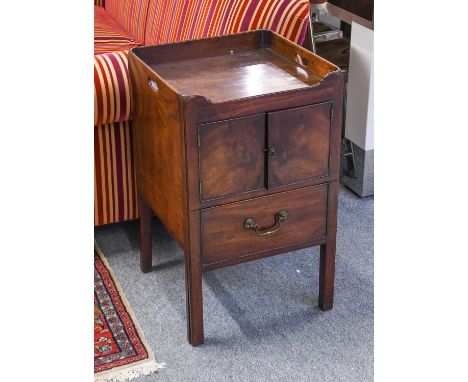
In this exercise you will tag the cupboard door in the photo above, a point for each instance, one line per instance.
(298, 144)
(231, 156)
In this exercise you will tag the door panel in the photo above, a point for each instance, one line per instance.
(298, 142)
(232, 158)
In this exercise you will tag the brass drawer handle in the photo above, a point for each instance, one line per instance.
(280, 217)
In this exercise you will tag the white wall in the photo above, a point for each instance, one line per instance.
(360, 102)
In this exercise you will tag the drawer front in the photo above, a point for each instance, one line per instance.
(301, 142)
(283, 219)
(231, 156)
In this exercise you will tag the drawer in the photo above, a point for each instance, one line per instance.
(231, 156)
(280, 220)
(300, 140)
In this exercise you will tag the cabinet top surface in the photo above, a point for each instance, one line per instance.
(233, 67)
(236, 75)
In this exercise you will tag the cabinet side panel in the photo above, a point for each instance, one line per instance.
(159, 146)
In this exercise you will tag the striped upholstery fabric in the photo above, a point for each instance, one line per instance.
(178, 20)
(130, 14)
(108, 35)
(111, 88)
(115, 198)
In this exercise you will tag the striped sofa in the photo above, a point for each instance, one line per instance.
(120, 25)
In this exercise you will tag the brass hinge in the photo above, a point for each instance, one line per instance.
(200, 187)
(331, 113)
(198, 139)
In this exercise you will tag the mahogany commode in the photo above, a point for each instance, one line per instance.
(236, 142)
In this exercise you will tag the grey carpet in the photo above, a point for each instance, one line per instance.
(262, 322)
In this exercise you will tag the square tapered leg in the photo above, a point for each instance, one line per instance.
(328, 251)
(194, 296)
(327, 276)
(146, 258)
(193, 283)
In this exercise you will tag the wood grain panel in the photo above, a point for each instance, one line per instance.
(232, 158)
(301, 140)
(158, 131)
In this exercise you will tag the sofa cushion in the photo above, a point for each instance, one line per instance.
(111, 89)
(179, 20)
(108, 35)
(130, 15)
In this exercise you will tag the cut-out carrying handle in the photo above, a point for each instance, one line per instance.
(301, 60)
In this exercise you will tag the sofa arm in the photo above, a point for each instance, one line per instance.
(289, 18)
(99, 3)
(111, 88)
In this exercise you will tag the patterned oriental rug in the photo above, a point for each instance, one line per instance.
(121, 352)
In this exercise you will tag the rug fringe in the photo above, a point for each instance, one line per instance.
(143, 367)
(130, 373)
